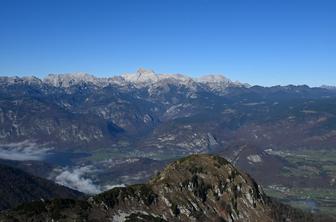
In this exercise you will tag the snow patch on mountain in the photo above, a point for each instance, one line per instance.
(141, 78)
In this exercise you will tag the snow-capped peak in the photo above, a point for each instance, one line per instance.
(31, 80)
(68, 79)
(217, 83)
(213, 79)
(141, 76)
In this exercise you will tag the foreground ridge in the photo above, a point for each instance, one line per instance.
(17, 187)
(196, 188)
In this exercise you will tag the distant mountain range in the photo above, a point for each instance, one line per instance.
(195, 188)
(79, 109)
(141, 78)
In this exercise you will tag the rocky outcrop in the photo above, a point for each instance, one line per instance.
(195, 188)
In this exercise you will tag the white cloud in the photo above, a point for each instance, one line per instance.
(109, 187)
(77, 179)
(25, 150)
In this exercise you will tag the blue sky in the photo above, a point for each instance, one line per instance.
(265, 42)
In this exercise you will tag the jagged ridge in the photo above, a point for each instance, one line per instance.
(142, 77)
(196, 188)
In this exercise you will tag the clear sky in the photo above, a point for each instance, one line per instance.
(265, 42)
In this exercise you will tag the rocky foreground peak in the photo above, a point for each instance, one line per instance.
(196, 188)
(205, 187)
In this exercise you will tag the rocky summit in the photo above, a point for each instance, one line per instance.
(195, 188)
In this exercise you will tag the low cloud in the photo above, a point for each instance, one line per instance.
(78, 179)
(109, 187)
(25, 150)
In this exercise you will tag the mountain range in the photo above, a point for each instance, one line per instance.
(141, 78)
(93, 133)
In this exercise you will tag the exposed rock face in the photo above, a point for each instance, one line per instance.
(18, 187)
(196, 188)
(67, 80)
(218, 83)
(143, 77)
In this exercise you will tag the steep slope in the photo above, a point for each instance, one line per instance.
(17, 187)
(196, 188)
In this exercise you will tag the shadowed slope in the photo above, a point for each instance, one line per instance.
(195, 188)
